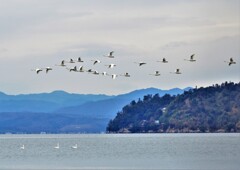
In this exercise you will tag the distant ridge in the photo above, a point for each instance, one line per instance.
(50, 102)
(151, 90)
(62, 112)
(2, 94)
(44, 102)
(111, 105)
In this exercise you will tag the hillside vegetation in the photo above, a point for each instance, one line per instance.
(210, 109)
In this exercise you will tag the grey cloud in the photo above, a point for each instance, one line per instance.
(20, 17)
(3, 50)
(173, 45)
(98, 50)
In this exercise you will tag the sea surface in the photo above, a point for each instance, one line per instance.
(121, 152)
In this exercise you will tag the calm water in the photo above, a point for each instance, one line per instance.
(132, 151)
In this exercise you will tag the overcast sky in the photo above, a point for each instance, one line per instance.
(41, 33)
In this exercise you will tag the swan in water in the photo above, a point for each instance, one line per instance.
(74, 146)
(22, 147)
(57, 146)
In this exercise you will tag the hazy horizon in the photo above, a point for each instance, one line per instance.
(48, 92)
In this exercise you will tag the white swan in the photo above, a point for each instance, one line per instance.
(72, 69)
(96, 72)
(191, 58)
(114, 76)
(71, 60)
(74, 146)
(140, 63)
(230, 61)
(79, 59)
(57, 146)
(110, 55)
(156, 73)
(22, 147)
(126, 74)
(90, 70)
(37, 70)
(163, 60)
(47, 69)
(177, 71)
(104, 73)
(111, 65)
(62, 64)
(96, 61)
(80, 69)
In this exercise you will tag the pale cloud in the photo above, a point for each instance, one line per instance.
(3, 50)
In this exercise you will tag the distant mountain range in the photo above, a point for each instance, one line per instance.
(45, 102)
(62, 112)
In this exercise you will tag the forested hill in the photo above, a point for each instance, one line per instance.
(211, 109)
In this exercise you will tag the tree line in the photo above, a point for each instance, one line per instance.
(210, 109)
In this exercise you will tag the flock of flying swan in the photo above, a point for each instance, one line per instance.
(63, 63)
